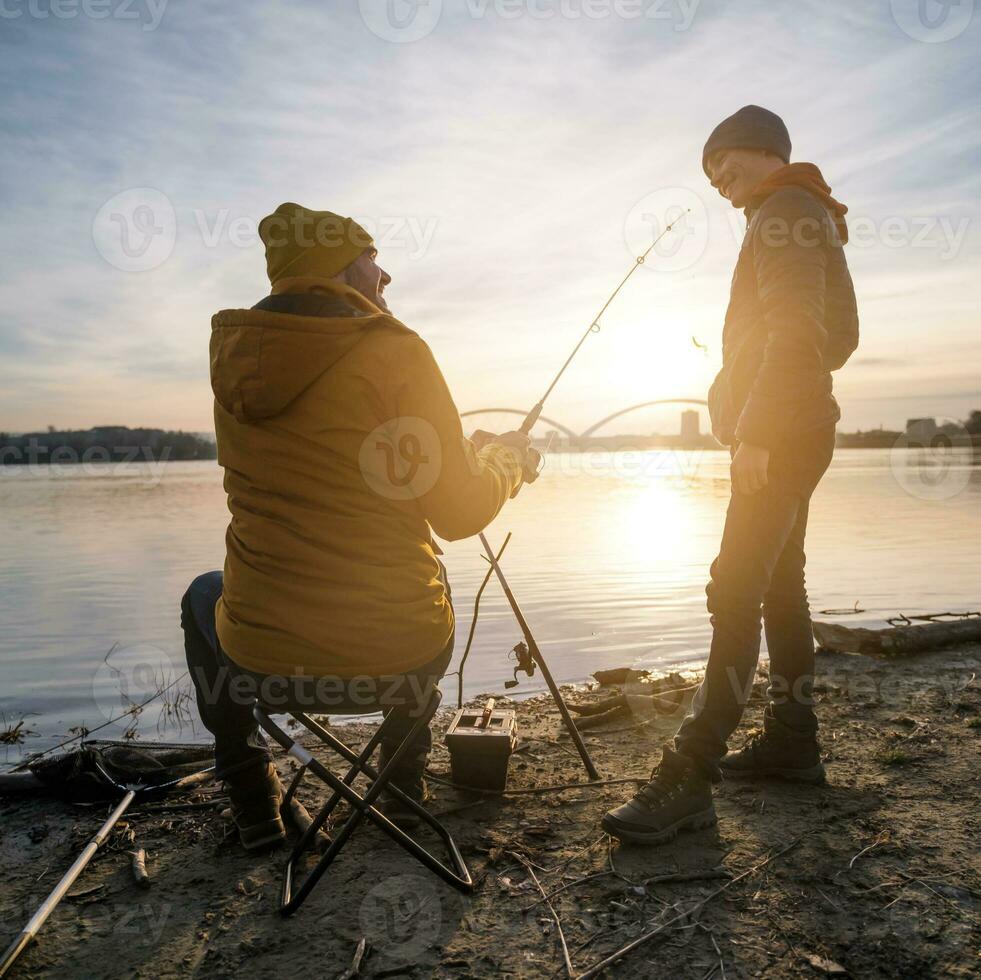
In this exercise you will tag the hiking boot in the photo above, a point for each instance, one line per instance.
(410, 778)
(255, 794)
(678, 797)
(778, 751)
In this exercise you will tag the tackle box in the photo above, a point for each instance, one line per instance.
(481, 741)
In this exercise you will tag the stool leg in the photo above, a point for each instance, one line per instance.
(358, 763)
(290, 902)
(363, 806)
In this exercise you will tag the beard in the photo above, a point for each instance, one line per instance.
(369, 286)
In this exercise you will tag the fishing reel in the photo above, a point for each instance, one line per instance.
(531, 470)
(523, 660)
(534, 464)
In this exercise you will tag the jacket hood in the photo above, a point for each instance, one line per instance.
(808, 177)
(264, 358)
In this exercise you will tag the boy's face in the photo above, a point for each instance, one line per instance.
(735, 174)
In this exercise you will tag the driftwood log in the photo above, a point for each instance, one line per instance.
(897, 640)
(643, 707)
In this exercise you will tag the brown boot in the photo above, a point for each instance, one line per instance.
(256, 793)
(410, 779)
(777, 752)
(678, 797)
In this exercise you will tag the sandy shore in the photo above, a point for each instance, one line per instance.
(883, 878)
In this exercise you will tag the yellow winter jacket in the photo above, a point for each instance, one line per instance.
(342, 448)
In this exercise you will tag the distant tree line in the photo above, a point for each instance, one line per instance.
(887, 438)
(105, 444)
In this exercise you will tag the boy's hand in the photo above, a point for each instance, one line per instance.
(748, 468)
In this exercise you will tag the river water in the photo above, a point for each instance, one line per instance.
(609, 560)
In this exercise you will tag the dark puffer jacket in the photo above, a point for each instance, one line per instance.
(791, 321)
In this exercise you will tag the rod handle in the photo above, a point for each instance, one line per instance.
(531, 418)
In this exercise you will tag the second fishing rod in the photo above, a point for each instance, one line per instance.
(528, 653)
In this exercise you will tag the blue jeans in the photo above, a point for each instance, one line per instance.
(227, 692)
(760, 571)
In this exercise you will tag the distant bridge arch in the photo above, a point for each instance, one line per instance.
(565, 430)
(633, 408)
(585, 434)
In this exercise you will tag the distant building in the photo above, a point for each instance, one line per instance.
(921, 428)
(690, 425)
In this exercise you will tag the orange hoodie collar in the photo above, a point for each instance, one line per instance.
(810, 178)
(307, 284)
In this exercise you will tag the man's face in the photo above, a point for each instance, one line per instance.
(735, 174)
(366, 276)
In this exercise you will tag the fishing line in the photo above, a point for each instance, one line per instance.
(594, 326)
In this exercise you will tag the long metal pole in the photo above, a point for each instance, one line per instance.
(58, 893)
(540, 660)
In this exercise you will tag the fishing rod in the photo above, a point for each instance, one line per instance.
(528, 654)
(594, 327)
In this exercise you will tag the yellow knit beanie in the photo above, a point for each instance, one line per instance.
(301, 242)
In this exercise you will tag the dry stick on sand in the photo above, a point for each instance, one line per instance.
(595, 971)
(138, 867)
(674, 877)
(569, 969)
(355, 968)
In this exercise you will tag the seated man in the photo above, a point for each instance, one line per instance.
(343, 451)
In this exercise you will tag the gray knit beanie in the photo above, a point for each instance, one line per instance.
(751, 128)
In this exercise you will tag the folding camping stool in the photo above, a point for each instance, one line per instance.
(455, 874)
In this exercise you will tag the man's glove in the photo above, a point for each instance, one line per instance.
(531, 459)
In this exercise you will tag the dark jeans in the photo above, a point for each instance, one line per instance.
(226, 692)
(760, 569)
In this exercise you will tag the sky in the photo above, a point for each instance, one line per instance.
(511, 158)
